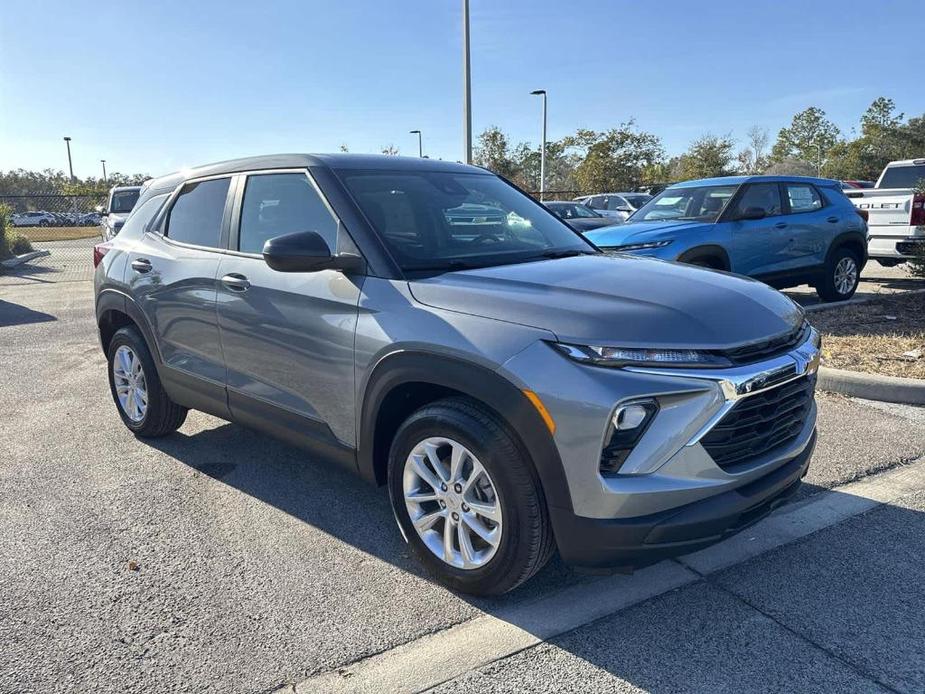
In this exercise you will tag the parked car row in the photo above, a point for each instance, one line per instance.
(42, 218)
(432, 328)
(617, 206)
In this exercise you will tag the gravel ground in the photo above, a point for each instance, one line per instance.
(217, 559)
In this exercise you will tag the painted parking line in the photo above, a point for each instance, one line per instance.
(442, 656)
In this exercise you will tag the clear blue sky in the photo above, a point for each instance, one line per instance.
(154, 86)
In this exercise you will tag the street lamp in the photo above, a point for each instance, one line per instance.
(539, 92)
(70, 165)
(420, 146)
(467, 86)
(105, 179)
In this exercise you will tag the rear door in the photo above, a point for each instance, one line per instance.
(172, 274)
(287, 337)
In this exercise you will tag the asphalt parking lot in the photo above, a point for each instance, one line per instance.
(219, 560)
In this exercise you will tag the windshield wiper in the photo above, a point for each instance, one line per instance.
(566, 253)
(448, 265)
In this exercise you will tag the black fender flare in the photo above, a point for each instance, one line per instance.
(478, 382)
(706, 251)
(852, 238)
(114, 300)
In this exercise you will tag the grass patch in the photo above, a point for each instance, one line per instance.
(58, 233)
(878, 337)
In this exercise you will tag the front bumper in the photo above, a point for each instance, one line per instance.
(637, 542)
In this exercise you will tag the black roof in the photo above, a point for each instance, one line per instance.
(340, 161)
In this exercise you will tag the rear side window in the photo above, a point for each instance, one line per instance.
(763, 195)
(277, 204)
(803, 198)
(903, 176)
(196, 216)
(142, 216)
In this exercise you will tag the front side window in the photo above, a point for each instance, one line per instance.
(701, 204)
(196, 216)
(438, 221)
(615, 203)
(597, 202)
(284, 203)
(765, 196)
(803, 198)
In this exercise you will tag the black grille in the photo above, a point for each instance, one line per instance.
(760, 423)
(767, 349)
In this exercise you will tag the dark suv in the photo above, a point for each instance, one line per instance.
(518, 390)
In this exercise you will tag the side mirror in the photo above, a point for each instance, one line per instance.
(624, 208)
(100, 210)
(753, 213)
(305, 251)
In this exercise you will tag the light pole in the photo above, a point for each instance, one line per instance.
(70, 165)
(538, 92)
(467, 106)
(819, 161)
(105, 179)
(420, 145)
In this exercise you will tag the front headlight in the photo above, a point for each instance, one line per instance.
(630, 356)
(639, 246)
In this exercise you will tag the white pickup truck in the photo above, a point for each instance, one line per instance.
(895, 213)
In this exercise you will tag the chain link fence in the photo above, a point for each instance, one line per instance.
(66, 226)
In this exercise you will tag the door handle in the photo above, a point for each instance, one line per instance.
(780, 225)
(236, 282)
(832, 220)
(141, 265)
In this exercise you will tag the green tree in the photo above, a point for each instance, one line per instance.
(614, 159)
(810, 136)
(708, 156)
(493, 151)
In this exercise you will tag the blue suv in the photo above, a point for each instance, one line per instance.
(783, 230)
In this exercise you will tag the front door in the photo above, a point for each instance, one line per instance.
(287, 338)
(759, 246)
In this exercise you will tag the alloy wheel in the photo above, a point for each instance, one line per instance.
(452, 503)
(130, 384)
(846, 275)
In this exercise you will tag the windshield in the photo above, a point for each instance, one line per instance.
(436, 221)
(702, 204)
(902, 176)
(123, 200)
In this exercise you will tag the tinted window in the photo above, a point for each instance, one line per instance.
(196, 216)
(902, 176)
(597, 202)
(142, 216)
(637, 201)
(803, 198)
(277, 204)
(439, 221)
(763, 195)
(615, 202)
(124, 200)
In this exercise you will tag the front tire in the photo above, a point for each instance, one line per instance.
(467, 499)
(141, 400)
(842, 275)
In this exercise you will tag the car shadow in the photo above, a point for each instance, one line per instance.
(16, 314)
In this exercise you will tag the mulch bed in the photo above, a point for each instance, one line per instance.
(885, 336)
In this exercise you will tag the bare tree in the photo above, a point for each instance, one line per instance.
(753, 158)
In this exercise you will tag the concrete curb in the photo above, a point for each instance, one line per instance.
(24, 258)
(908, 391)
(862, 300)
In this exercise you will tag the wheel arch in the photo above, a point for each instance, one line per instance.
(404, 381)
(854, 241)
(711, 252)
(115, 310)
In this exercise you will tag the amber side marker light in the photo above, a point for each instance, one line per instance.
(541, 408)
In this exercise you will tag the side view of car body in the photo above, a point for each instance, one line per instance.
(516, 390)
(118, 205)
(32, 219)
(782, 230)
(617, 206)
(577, 215)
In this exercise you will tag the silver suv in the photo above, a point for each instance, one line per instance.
(516, 389)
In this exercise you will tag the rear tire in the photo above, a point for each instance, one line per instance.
(144, 406)
(524, 536)
(842, 275)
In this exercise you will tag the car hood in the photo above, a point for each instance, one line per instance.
(631, 232)
(621, 301)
